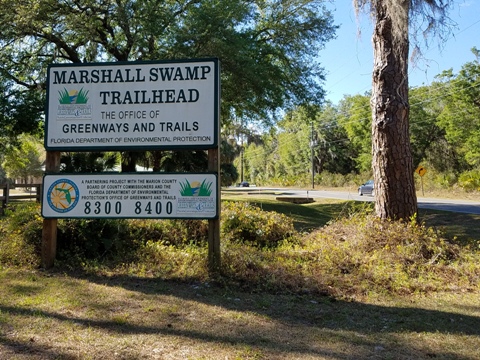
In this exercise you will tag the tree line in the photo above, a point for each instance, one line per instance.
(267, 50)
(444, 135)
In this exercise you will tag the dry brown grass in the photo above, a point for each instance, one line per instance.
(57, 316)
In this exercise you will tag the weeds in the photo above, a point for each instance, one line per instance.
(367, 254)
(349, 257)
(20, 236)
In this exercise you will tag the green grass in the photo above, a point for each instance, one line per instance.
(465, 227)
(306, 217)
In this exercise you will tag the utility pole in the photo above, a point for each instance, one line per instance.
(312, 144)
(241, 153)
(241, 162)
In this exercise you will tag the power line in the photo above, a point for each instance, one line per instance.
(261, 152)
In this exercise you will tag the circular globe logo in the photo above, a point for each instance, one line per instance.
(62, 195)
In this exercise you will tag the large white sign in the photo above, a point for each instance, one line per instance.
(130, 196)
(117, 106)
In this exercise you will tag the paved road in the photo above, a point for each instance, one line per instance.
(460, 206)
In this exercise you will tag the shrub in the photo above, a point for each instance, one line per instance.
(21, 235)
(356, 256)
(243, 222)
(168, 261)
(170, 232)
(86, 239)
(445, 180)
(122, 240)
(352, 256)
(363, 253)
(330, 180)
(470, 180)
(80, 240)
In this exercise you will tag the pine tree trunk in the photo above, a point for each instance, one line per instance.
(395, 196)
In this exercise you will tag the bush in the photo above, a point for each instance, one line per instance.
(170, 232)
(168, 261)
(470, 180)
(86, 239)
(356, 256)
(352, 256)
(351, 181)
(122, 240)
(243, 222)
(21, 235)
(80, 240)
(363, 253)
(445, 180)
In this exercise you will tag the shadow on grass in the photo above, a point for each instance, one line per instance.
(308, 320)
(331, 309)
(465, 227)
(363, 327)
(15, 348)
(242, 337)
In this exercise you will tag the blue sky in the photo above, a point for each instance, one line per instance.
(348, 59)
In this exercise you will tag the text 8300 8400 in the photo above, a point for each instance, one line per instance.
(140, 208)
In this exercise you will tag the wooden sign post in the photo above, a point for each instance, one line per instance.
(421, 171)
(214, 224)
(49, 233)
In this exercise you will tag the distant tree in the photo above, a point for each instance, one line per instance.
(307, 131)
(25, 160)
(425, 134)
(257, 163)
(3, 173)
(267, 49)
(20, 112)
(193, 161)
(395, 196)
(333, 152)
(460, 116)
(355, 117)
(293, 142)
(229, 173)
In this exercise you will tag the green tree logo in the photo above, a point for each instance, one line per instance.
(73, 96)
(195, 188)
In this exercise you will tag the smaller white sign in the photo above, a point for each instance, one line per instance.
(130, 196)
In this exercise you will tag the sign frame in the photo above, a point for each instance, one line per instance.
(157, 138)
(52, 163)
